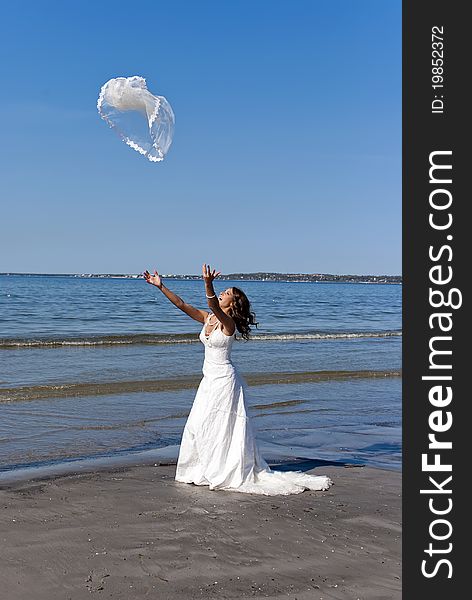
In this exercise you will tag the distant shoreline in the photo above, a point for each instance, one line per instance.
(261, 276)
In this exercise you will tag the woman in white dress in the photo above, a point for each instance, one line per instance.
(218, 447)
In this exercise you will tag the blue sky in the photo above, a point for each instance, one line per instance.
(287, 148)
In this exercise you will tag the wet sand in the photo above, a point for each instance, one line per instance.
(72, 390)
(133, 532)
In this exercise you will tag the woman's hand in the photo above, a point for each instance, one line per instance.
(209, 274)
(153, 279)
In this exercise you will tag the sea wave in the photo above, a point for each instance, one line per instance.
(180, 338)
(103, 388)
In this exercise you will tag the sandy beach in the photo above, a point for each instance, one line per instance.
(134, 532)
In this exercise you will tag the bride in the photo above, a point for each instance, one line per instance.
(218, 447)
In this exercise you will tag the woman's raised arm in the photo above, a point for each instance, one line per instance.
(208, 276)
(191, 311)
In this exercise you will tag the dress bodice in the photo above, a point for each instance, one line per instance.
(217, 345)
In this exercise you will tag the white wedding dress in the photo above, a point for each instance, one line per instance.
(218, 445)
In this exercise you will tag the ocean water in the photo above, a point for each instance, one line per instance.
(105, 368)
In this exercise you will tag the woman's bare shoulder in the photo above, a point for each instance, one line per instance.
(229, 331)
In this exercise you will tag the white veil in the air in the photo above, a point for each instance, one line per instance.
(143, 121)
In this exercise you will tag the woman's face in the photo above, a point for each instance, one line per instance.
(226, 298)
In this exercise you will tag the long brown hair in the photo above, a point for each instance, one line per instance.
(241, 313)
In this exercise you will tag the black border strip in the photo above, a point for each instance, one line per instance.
(427, 247)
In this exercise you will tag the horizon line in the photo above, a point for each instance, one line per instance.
(199, 275)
